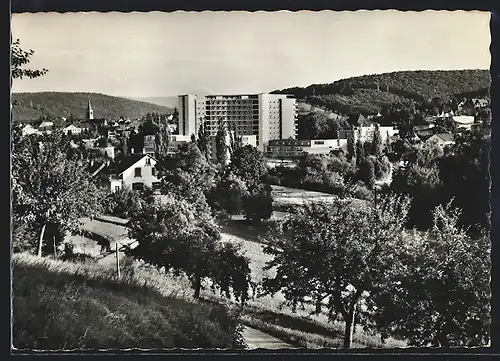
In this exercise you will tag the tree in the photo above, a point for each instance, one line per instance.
(229, 195)
(20, 58)
(174, 236)
(49, 190)
(312, 125)
(421, 181)
(454, 104)
(351, 150)
(360, 152)
(162, 138)
(125, 141)
(234, 140)
(204, 141)
(249, 164)
(465, 176)
(221, 143)
(188, 174)
(335, 252)
(376, 144)
(439, 292)
(366, 171)
(258, 203)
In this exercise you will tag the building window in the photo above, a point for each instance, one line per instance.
(137, 186)
(117, 188)
(153, 171)
(148, 161)
(138, 172)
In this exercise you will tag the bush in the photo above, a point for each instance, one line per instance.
(59, 305)
(361, 191)
(123, 203)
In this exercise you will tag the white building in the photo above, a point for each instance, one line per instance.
(28, 129)
(267, 116)
(464, 121)
(365, 132)
(441, 140)
(72, 129)
(136, 171)
(175, 141)
(290, 148)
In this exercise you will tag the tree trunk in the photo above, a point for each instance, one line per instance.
(41, 240)
(318, 306)
(349, 327)
(197, 286)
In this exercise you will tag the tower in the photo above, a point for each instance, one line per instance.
(90, 111)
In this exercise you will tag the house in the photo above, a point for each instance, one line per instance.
(423, 127)
(480, 103)
(292, 148)
(175, 141)
(425, 134)
(135, 171)
(44, 126)
(71, 129)
(365, 132)
(442, 139)
(28, 129)
(149, 144)
(464, 121)
(359, 121)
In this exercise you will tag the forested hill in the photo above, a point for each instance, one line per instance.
(367, 94)
(31, 106)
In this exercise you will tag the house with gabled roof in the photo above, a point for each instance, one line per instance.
(135, 171)
(442, 139)
(28, 129)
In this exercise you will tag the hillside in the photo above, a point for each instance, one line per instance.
(66, 306)
(31, 106)
(366, 94)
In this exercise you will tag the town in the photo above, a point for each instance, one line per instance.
(353, 214)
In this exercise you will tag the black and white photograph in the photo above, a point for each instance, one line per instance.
(239, 180)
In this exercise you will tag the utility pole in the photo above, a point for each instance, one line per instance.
(117, 261)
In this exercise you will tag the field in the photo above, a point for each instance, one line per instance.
(269, 313)
(70, 306)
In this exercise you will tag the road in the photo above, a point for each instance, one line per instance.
(258, 339)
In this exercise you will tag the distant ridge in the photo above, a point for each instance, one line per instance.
(31, 106)
(170, 101)
(368, 93)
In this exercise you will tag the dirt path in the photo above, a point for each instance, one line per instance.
(258, 339)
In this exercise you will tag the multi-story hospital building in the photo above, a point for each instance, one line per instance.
(267, 116)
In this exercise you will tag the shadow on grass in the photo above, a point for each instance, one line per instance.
(296, 323)
(248, 231)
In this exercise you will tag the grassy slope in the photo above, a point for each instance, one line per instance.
(267, 313)
(54, 104)
(394, 87)
(58, 305)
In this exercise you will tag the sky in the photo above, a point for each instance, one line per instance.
(166, 54)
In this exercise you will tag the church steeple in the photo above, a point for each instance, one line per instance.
(90, 111)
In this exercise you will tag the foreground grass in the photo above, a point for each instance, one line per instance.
(68, 306)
